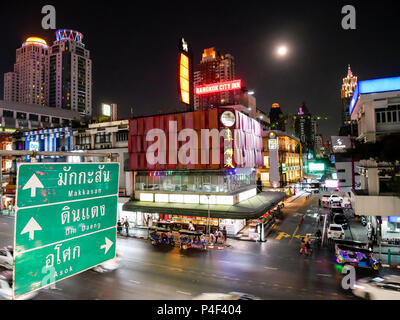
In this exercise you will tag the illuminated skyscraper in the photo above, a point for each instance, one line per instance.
(213, 68)
(29, 81)
(346, 94)
(70, 76)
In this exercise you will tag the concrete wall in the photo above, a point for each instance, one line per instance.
(375, 205)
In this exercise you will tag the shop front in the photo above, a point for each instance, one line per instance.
(234, 217)
(390, 229)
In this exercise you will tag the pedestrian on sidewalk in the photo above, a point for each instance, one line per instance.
(127, 227)
(220, 236)
(119, 227)
(212, 238)
(224, 234)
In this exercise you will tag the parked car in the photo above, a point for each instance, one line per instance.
(6, 258)
(341, 219)
(6, 282)
(335, 231)
(386, 288)
(226, 296)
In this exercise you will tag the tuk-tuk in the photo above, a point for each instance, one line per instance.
(161, 236)
(356, 257)
(192, 239)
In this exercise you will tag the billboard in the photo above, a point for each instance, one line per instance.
(218, 87)
(340, 144)
(315, 166)
(206, 139)
(185, 78)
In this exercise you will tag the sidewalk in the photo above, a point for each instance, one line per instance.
(295, 197)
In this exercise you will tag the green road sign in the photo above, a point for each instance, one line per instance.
(43, 225)
(46, 183)
(65, 221)
(46, 265)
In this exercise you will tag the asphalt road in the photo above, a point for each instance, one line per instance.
(271, 270)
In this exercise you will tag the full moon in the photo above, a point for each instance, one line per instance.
(282, 51)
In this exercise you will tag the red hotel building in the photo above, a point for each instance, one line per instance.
(223, 189)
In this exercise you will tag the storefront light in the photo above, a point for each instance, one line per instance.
(146, 197)
(164, 198)
(176, 198)
(247, 194)
(225, 200)
(191, 199)
(204, 200)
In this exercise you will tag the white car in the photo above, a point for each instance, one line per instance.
(386, 288)
(335, 198)
(226, 296)
(6, 258)
(6, 288)
(335, 231)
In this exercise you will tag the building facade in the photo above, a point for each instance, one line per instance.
(346, 93)
(375, 107)
(214, 67)
(29, 82)
(305, 127)
(14, 115)
(70, 73)
(107, 137)
(208, 184)
(276, 117)
(282, 164)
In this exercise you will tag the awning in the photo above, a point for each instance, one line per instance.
(251, 208)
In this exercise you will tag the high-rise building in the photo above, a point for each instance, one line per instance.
(346, 94)
(70, 73)
(11, 87)
(213, 68)
(277, 118)
(305, 127)
(29, 82)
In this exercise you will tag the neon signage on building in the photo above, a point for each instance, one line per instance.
(219, 87)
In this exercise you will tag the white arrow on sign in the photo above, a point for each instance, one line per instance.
(31, 227)
(33, 183)
(107, 246)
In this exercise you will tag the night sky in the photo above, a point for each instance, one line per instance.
(134, 48)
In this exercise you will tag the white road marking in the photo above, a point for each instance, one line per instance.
(135, 282)
(269, 268)
(185, 293)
